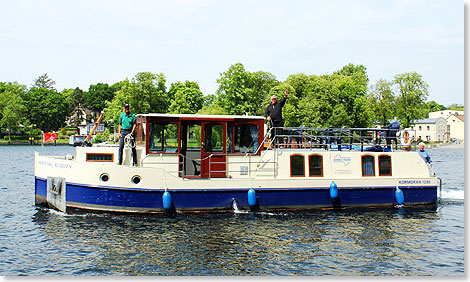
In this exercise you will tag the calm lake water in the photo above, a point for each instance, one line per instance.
(405, 241)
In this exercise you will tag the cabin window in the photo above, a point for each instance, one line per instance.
(297, 165)
(229, 138)
(368, 166)
(99, 157)
(193, 137)
(140, 133)
(385, 165)
(163, 138)
(246, 138)
(315, 165)
(214, 138)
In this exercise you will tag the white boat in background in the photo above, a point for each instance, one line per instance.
(206, 163)
(77, 140)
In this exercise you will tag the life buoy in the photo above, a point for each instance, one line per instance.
(405, 139)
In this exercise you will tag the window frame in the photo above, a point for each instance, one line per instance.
(315, 155)
(390, 158)
(362, 165)
(233, 126)
(164, 124)
(290, 164)
(100, 154)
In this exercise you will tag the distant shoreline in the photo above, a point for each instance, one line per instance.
(27, 144)
(450, 146)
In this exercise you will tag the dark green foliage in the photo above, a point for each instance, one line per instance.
(97, 96)
(186, 98)
(47, 108)
(243, 92)
(343, 98)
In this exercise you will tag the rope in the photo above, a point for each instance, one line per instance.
(129, 141)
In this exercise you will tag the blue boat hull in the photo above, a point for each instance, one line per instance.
(116, 199)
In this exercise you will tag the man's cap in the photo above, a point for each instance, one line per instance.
(421, 144)
(273, 97)
(126, 106)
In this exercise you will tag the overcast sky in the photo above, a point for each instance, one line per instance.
(79, 43)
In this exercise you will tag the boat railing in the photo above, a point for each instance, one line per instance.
(363, 139)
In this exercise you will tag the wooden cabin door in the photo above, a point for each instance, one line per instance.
(213, 149)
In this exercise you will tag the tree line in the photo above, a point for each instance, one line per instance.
(344, 98)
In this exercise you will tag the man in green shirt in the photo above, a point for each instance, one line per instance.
(127, 124)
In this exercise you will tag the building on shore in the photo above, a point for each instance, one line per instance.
(456, 127)
(440, 126)
(445, 113)
(430, 130)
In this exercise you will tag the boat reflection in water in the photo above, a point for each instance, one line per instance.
(348, 242)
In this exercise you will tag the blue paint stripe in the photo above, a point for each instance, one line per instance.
(242, 188)
(201, 199)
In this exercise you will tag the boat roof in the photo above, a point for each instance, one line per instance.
(197, 116)
(427, 120)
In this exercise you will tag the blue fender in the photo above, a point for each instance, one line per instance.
(251, 197)
(399, 196)
(333, 190)
(167, 204)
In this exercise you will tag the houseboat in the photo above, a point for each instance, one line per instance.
(212, 163)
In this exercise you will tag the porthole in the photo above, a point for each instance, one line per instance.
(136, 179)
(104, 177)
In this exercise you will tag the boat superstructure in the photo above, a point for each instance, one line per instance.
(201, 163)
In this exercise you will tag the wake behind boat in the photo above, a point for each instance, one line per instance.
(204, 163)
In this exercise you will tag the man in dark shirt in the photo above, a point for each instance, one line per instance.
(274, 113)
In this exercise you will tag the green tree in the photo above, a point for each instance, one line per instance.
(187, 98)
(317, 99)
(262, 84)
(352, 82)
(12, 108)
(330, 100)
(382, 102)
(44, 81)
(302, 83)
(76, 99)
(116, 87)
(433, 106)
(243, 92)
(411, 99)
(145, 93)
(153, 90)
(126, 95)
(97, 96)
(209, 100)
(233, 91)
(212, 109)
(358, 74)
(47, 108)
(456, 107)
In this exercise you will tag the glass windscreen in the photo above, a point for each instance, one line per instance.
(163, 137)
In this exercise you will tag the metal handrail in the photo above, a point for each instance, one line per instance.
(305, 138)
(346, 137)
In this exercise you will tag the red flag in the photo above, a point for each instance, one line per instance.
(49, 137)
